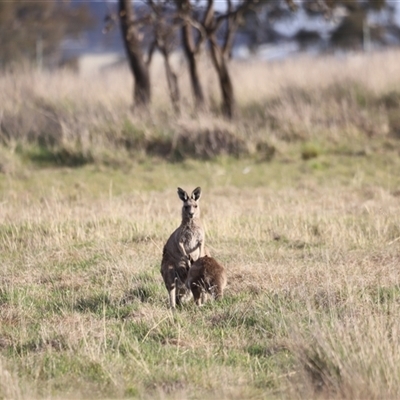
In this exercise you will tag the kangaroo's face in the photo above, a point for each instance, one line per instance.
(191, 208)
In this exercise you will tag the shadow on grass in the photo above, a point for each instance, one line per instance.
(144, 293)
(45, 156)
(94, 304)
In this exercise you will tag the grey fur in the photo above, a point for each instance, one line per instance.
(184, 246)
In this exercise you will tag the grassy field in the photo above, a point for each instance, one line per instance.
(305, 217)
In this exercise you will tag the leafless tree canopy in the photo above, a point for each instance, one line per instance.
(198, 28)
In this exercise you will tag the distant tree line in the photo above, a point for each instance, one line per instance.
(32, 31)
(201, 28)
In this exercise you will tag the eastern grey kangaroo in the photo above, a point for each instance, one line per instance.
(184, 246)
(206, 275)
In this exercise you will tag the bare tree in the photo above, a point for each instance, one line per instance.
(220, 51)
(191, 44)
(154, 29)
(220, 29)
(133, 47)
(165, 25)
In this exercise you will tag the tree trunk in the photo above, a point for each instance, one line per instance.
(139, 68)
(195, 79)
(172, 80)
(191, 49)
(225, 82)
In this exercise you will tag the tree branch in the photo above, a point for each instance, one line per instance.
(151, 51)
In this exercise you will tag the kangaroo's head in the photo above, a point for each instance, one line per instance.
(191, 208)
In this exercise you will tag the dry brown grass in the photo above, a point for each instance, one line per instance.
(313, 289)
(88, 119)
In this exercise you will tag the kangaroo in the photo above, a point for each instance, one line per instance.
(184, 246)
(206, 275)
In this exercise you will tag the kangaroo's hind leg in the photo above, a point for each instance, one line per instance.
(169, 276)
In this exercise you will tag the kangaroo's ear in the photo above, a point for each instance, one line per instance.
(182, 194)
(196, 194)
